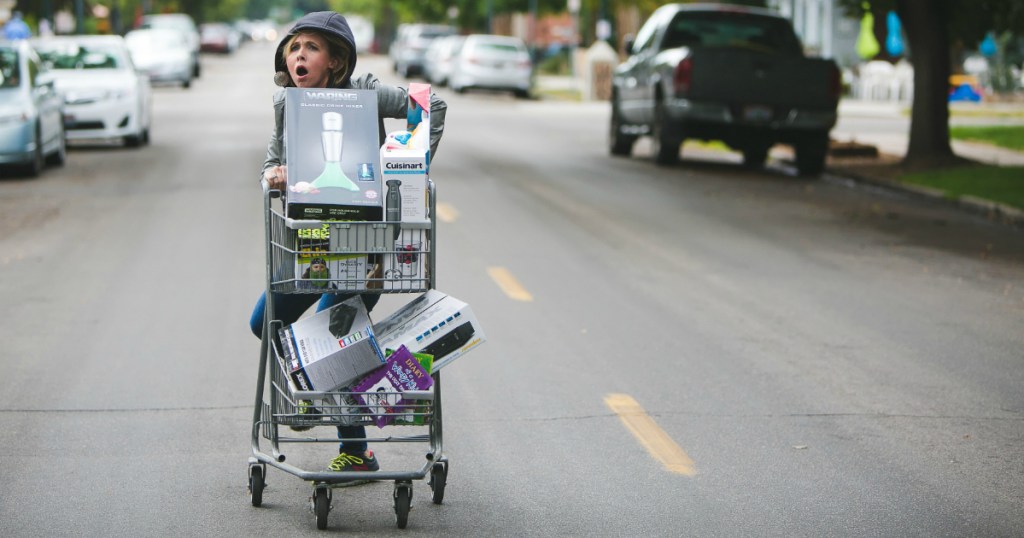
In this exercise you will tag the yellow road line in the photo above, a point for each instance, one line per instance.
(446, 212)
(509, 284)
(651, 436)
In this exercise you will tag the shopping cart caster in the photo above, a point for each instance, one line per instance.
(320, 505)
(257, 483)
(403, 501)
(438, 477)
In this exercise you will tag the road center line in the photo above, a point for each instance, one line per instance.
(446, 212)
(660, 446)
(509, 284)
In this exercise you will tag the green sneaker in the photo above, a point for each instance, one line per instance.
(305, 408)
(350, 462)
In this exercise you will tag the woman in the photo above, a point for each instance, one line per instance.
(320, 52)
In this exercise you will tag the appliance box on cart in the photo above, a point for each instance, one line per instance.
(434, 323)
(332, 176)
(407, 167)
(321, 261)
(332, 348)
(405, 268)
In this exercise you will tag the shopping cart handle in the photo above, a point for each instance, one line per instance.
(274, 193)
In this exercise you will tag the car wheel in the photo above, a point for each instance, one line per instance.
(187, 83)
(619, 144)
(665, 141)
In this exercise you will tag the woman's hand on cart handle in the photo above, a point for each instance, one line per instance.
(276, 177)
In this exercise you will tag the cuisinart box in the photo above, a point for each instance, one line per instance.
(406, 165)
(433, 323)
(332, 148)
(332, 348)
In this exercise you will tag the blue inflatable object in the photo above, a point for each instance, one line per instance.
(964, 92)
(894, 41)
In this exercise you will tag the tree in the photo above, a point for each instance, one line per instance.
(934, 28)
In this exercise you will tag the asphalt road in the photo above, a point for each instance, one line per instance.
(807, 357)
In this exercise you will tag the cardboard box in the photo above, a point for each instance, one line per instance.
(380, 392)
(407, 168)
(405, 267)
(332, 154)
(332, 348)
(433, 323)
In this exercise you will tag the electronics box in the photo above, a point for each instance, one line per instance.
(332, 348)
(332, 150)
(407, 168)
(433, 323)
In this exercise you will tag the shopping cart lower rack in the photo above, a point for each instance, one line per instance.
(397, 258)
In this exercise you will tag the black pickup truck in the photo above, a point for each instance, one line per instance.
(729, 73)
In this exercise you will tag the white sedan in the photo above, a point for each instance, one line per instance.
(105, 97)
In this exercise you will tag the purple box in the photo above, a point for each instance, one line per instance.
(401, 372)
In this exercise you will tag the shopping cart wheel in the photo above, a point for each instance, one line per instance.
(403, 500)
(438, 477)
(321, 505)
(256, 484)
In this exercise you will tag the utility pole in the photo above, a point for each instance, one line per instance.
(80, 16)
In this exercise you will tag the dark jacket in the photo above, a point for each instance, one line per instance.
(392, 101)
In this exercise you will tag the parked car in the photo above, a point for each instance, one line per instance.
(411, 44)
(31, 112)
(363, 32)
(164, 55)
(105, 97)
(729, 73)
(438, 60)
(493, 62)
(182, 23)
(218, 37)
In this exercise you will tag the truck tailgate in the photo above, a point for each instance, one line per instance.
(776, 80)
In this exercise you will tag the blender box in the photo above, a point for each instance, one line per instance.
(332, 348)
(407, 169)
(433, 323)
(405, 160)
(332, 150)
(405, 267)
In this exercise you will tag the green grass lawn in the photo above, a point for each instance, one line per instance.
(1003, 184)
(1008, 136)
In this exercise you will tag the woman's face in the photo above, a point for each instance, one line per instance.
(309, 61)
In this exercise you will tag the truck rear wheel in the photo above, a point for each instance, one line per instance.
(665, 140)
(810, 155)
(754, 156)
(619, 144)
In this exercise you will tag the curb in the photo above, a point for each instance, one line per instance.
(993, 211)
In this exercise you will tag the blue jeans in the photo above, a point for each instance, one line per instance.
(289, 307)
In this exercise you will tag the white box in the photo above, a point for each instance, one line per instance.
(405, 268)
(433, 323)
(332, 348)
(409, 167)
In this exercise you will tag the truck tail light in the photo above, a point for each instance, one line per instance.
(681, 75)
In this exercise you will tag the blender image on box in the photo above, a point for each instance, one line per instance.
(332, 140)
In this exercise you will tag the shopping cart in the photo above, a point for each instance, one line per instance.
(280, 407)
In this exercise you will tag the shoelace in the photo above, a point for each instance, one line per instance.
(340, 460)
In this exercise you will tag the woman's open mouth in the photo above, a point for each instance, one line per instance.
(301, 71)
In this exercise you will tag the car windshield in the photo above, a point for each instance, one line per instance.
(81, 56)
(8, 68)
(154, 39)
(768, 34)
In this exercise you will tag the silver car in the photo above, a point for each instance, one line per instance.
(31, 112)
(411, 44)
(440, 56)
(162, 54)
(493, 62)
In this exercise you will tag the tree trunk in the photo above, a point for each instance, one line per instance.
(926, 23)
